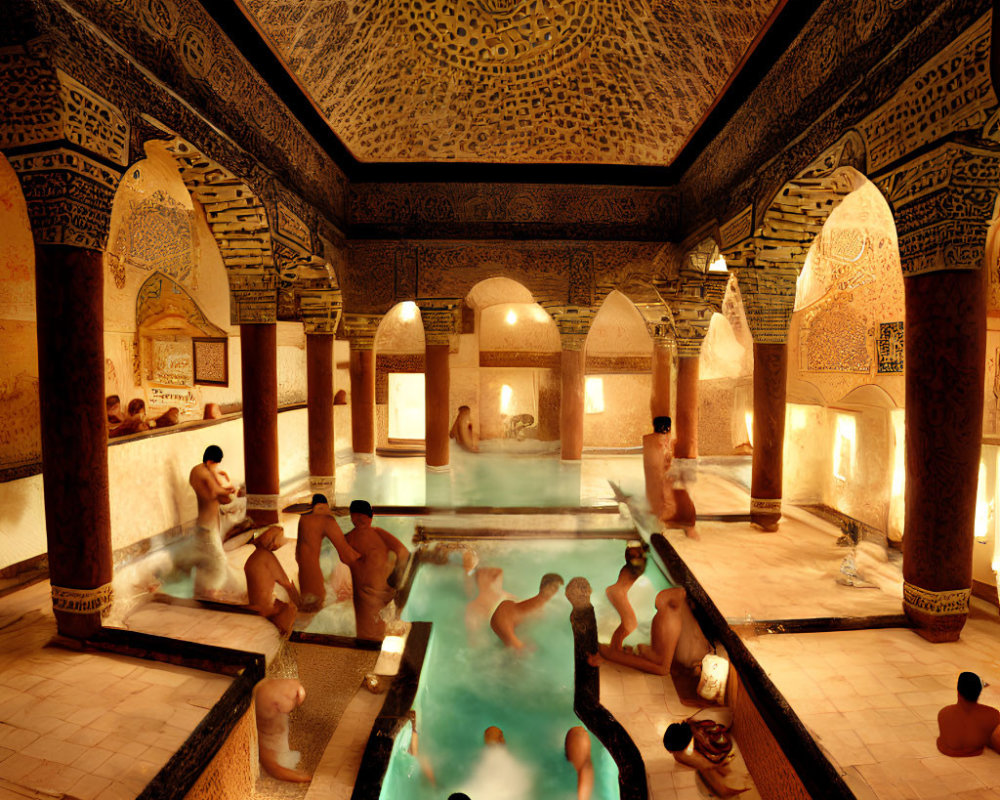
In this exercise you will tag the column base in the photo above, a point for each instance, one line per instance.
(364, 458)
(439, 467)
(576, 461)
(79, 612)
(936, 616)
(765, 513)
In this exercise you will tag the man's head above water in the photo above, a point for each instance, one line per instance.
(493, 735)
(361, 512)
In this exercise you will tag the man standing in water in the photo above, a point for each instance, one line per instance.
(214, 580)
(313, 527)
(667, 503)
(381, 556)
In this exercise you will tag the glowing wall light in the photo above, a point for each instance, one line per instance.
(506, 396)
(511, 317)
(797, 418)
(593, 396)
(408, 311)
(719, 265)
(748, 421)
(982, 507)
(843, 447)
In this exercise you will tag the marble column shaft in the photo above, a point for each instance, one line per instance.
(769, 376)
(362, 371)
(259, 359)
(319, 383)
(571, 404)
(69, 286)
(945, 352)
(659, 401)
(437, 391)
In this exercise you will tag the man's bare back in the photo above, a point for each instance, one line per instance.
(510, 614)
(313, 528)
(370, 573)
(212, 487)
(968, 727)
(263, 571)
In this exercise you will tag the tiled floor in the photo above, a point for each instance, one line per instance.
(870, 698)
(87, 725)
(70, 724)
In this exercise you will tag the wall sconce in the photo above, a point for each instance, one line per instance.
(511, 317)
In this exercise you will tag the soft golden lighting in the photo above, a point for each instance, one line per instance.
(719, 265)
(408, 311)
(511, 317)
(797, 418)
(982, 507)
(593, 397)
(748, 420)
(843, 447)
(506, 395)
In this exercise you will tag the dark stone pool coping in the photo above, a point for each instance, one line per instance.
(818, 775)
(422, 511)
(186, 765)
(393, 716)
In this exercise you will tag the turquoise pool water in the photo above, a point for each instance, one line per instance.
(469, 683)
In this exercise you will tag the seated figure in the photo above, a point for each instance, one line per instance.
(274, 699)
(263, 571)
(168, 418)
(135, 421)
(212, 411)
(510, 614)
(968, 727)
(675, 637)
(114, 410)
(462, 432)
(682, 743)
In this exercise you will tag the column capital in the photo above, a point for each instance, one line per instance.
(440, 318)
(943, 203)
(319, 309)
(360, 330)
(768, 298)
(659, 322)
(573, 323)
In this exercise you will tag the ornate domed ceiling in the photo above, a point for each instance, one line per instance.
(530, 81)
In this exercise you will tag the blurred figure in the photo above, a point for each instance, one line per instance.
(274, 700)
(498, 775)
(510, 614)
(679, 741)
(462, 432)
(578, 754)
(214, 578)
(314, 526)
(114, 410)
(263, 571)
(340, 398)
(168, 418)
(212, 411)
(135, 421)
(617, 594)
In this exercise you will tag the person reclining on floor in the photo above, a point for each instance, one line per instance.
(968, 727)
(679, 740)
(263, 570)
(383, 557)
(510, 614)
(313, 527)
(675, 637)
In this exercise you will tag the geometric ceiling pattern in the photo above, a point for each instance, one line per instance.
(512, 81)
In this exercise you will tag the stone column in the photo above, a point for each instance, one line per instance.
(319, 377)
(319, 308)
(768, 297)
(686, 445)
(943, 202)
(259, 359)
(660, 324)
(573, 323)
(440, 321)
(69, 196)
(360, 330)
(69, 285)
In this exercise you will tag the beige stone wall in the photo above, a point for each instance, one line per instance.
(20, 435)
(232, 773)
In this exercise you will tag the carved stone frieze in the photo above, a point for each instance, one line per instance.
(69, 196)
(943, 203)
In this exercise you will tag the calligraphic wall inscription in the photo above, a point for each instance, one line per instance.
(890, 347)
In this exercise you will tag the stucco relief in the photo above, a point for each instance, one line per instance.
(526, 80)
